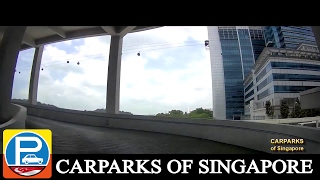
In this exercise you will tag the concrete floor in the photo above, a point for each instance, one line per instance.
(78, 139)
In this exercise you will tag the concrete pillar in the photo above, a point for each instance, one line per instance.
(316, 32)
(253, 104)
(9, 51)
(113, 83)
(34, 77)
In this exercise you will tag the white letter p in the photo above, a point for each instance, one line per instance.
(19, 149)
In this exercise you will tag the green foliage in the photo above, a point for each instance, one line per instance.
(296, 112)
(284, 109)
(102, 110)
(269, 109)
(204, 113)
(38, 103)
(176, 113)
(310, 112)
(267, 106)
(172, 113)
(197, 113)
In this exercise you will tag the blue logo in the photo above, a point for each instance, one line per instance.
(27, 153)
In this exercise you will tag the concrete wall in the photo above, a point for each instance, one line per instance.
(251, 135)
(70, 116)
(287, 120)
(309, 99)
(17, 122)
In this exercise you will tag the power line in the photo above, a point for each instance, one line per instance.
(164, 44)
(125, 45)
(166, 48)
(85, 59)
(81, 59)
(148, 45)
(124, 51)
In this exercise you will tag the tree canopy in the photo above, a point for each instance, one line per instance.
(197, 113)
(297, 112)
(269, 109)
(284, 109)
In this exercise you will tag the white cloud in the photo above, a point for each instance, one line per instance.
(67, 42)
(142, 91)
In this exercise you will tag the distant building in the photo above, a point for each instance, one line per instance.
(280, 74)
(288, 36)
(233, 52)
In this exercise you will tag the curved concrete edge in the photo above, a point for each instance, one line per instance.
(250, 135)
(17, 122)
(286, 121)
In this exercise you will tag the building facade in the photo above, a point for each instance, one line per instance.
(257, 40)
(288, 36)
(233, 52)
(280, 74)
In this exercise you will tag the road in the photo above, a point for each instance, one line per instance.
(78, 139)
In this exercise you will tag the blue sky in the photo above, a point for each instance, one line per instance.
(173, 72)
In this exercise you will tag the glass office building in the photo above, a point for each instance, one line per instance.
(257, 40)
(233, 52)
(288, 36)
(281, 74)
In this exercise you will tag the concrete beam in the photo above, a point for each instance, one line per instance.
(28, 40)
(125, 30)
(109, 29)
(58, 31)
(83, 33)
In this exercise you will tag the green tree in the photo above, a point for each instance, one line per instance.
(176, 113)
(296, 112)
(284, 109)
(269, 109)
(196, 112)
(173, 113)
(307, 113)
(162, 115)
(316, 112)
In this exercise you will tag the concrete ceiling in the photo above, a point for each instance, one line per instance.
(41, 35)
